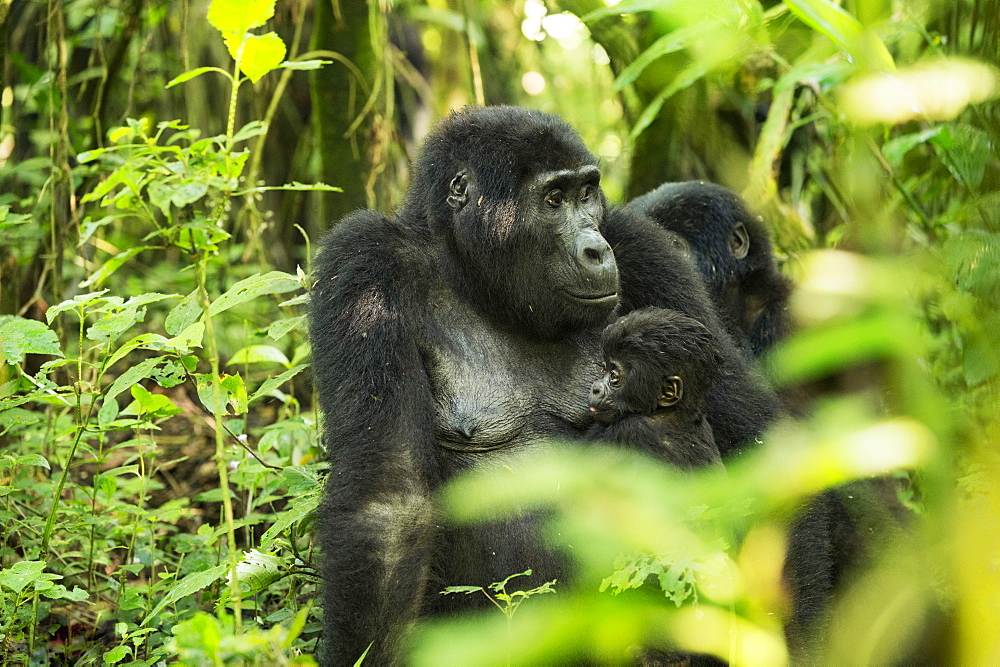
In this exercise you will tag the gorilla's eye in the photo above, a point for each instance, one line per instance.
(588, 192)
(555, 198)
(615, 377)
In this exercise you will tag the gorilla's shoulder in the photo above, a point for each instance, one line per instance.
(370, 243)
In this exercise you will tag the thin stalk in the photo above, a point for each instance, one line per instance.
(220, 448)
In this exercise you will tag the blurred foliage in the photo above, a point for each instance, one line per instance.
(141, 253)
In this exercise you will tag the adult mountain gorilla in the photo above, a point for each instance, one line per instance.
(462, 331)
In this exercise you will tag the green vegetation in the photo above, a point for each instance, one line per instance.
(159, 463)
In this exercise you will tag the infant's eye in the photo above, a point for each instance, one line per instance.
(588, 192)
(555, 198)
(615, 377)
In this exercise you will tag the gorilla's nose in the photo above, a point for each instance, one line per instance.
(593, 252)
(597, 392)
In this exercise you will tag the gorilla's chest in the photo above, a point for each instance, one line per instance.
(493, 390)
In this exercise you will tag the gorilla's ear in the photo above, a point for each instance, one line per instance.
(458, 190)
(671, 392)
(739, 241)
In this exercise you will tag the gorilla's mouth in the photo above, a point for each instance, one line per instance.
(595, 299)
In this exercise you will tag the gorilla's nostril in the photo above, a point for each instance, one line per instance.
(592, 254)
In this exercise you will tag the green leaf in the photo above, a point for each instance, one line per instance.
(273, 383)
(188, 192)
(190, 74)
(256, 571)
(300, 506)
(261, 54)
(148, 403)
(897, 148)
(183, 315)
(965, 151)
(233, 392)
(278, 329)
(239, 16)
(77, 303)
(117, 654)
(20, 336)
(274, 282)
(684, 79)
(111, 326)
(19, 575)
(461, 589)
(303, 64)
(259, 354)
(252, 129)
(669, 43)
(132, 375)
(18, 417)
(187, 339)
(844, 30)
(32, 460)
(186, 586)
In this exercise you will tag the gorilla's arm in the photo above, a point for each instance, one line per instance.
(654, 272)
(377, 519)
(634, 431)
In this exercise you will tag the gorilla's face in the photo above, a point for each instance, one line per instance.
(539, 256)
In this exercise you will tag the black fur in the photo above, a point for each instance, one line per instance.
(463, 331)
(648, 354)
(750, 291)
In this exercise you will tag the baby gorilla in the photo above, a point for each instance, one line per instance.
(658, 367)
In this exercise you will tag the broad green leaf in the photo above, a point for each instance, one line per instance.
(20, 574)
(273, 383)
(183, 315)
(33, 460)
(149, 403)
(300, 506)
(189, 338)
(239, 16)
(252, 129)
(91, 299)
(256, 571)
(965, 150)
(895, 149)
(149, 341)
(20, 336)
(844, 30)
(186, 586)
(18, 417)
(232, 392)
(187, 192)
(278, 330)
(117, 654)
(190, 74)
(107, 413)
(259, 354)
(132, 375)
(274, 282)
(111, 326)
(261, 54)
